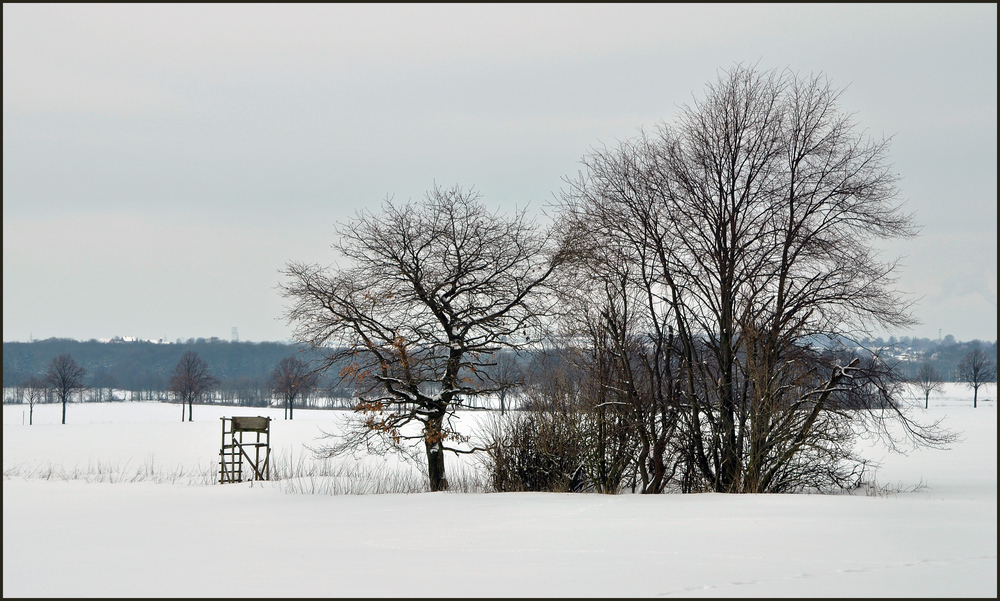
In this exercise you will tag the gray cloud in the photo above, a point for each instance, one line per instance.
(228, 139)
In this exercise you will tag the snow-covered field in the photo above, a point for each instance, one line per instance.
(120, 502)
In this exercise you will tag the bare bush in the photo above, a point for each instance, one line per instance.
(533, 450)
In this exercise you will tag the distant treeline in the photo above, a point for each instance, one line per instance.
(144, 367)
(242, 368)
(141, 369)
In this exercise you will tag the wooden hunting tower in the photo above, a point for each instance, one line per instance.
(256, 451)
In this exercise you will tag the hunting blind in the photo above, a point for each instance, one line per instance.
(256, 449)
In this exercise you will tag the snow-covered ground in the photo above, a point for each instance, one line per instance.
(119, 502)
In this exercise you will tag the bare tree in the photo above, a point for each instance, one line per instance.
(290, 379)
(34, 392)
(65, 377)
(609, 299)
(976, 369)
(190, 380)
(721, 247)
(435, 288)
(928, 380)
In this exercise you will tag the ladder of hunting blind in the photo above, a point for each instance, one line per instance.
(255, 449)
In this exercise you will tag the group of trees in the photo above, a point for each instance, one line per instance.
(672, 311)
(142, 369)
(62, 379)
(976, 368)
(680, 287)
(291, 379)
(190, 381)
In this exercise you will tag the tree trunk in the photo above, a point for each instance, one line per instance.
(64, 411)
(975, 396)
(435, 467)
(291, 408)
(434, 446)
(190, 403)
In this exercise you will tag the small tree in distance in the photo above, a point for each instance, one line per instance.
(190, 380)
(65, 377)
(34, 392)
(290, 379)
(928, 380)
(975, 369)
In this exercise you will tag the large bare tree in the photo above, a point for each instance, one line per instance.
(720, 249)
(291, 379)
(975, 369)
(433, 289)
(190, 380)
(65, 377)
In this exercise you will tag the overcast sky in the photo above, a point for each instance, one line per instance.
(162, 163)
